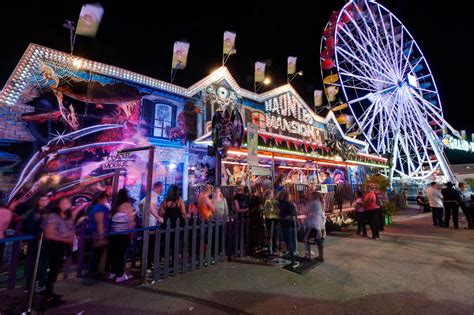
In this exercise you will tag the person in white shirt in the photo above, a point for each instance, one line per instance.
(435, 200)
(153, 218)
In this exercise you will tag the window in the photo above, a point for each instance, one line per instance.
(163, 120)
(258, 119)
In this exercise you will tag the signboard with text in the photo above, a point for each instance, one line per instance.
(260, 171)
(252, 145)
(120, 160)
(458, 144)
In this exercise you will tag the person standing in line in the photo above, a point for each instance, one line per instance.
(465, 200)
(59, 233)
(221, 210)
(99, 219)
(255, 221)
(221, 213)
(288, 222)
(241, 202)
(33, 226)
(6, 216)
(271, 213)
(451, 200)
(154, 218)
(329, 196)
(172, 209)
(123, 220)
(371, 212)
(205, 206)
(435, 200)
(206, 211)
(315, 220)
(360, 214)
(470, 210)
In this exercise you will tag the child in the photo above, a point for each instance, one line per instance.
(360, 214)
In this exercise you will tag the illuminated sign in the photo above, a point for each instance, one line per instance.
(286, 113)
(458, 144)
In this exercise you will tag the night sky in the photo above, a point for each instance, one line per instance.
(140, 36)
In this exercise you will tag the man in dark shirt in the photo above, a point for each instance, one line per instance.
(451, 201)
(241, 201)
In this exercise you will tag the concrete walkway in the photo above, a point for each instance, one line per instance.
(414, 268)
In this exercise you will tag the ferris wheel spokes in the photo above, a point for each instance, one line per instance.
(381, 53)
(378, 62)
(387, 83)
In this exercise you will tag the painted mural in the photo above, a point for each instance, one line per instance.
(80, 121)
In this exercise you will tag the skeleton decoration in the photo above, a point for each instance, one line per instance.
(227, 122)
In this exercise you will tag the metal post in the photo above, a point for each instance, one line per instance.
(273, 172)
(146, 215)
(72, 38)
(31, 294)
(115, 183)
(217, 182)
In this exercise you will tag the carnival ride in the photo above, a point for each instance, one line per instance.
(371, 60)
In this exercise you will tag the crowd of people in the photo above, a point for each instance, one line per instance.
(368, 209)
(444, 203)
(272, 217)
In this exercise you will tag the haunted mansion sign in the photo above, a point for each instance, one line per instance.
(288, 115)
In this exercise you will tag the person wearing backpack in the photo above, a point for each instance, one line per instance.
(172, 208)
(271, 213)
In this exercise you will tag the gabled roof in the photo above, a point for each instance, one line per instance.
(29, 63)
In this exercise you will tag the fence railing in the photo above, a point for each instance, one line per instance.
(179, 248)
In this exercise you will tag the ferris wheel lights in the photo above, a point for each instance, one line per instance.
(388, 85)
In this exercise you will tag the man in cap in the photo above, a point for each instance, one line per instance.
(451, 201)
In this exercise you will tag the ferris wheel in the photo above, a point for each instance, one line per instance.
(371, 60)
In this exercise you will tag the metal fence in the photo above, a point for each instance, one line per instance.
(190, 245)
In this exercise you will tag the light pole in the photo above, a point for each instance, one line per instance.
(257, 85)
(290, 77)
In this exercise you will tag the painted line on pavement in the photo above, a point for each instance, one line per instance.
(75, 304)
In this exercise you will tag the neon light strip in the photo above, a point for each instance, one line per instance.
(316, 157)
(244, 164)
(299, 168)
(283, 158)
(372, 157)
(369, 164)
(335, 164)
